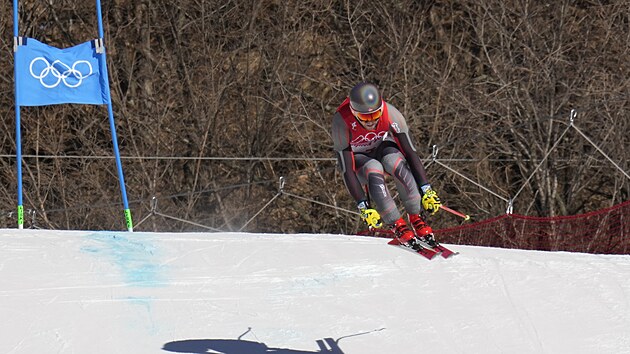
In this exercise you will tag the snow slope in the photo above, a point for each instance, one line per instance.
(118, 292)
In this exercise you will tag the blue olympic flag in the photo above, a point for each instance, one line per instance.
(47, 75)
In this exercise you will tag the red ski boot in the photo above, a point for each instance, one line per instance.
(405, 237)
(423, 231)
(402, 231)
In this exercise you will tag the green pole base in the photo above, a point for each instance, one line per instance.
(128, 220)
(20, 216)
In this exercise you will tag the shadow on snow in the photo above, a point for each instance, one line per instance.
(238, 346)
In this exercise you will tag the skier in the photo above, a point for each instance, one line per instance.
(371, 138)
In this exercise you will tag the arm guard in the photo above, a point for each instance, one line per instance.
(346, 164)
(416, 166)
(403, 138)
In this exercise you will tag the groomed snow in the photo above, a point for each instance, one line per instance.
(118, 292)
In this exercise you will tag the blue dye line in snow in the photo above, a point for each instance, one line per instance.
(132, 254)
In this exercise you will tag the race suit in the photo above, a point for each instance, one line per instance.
(364, 156)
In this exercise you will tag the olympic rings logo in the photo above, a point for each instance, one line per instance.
(368, 138)
(69, 72)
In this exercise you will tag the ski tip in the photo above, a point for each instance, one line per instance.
(431, 255)
(449, 255)
(394, 242)
(446, 253)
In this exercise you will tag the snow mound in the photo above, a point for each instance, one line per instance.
(119, 292)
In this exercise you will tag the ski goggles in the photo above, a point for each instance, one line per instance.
(368, 117)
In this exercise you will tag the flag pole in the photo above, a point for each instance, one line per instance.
(112, 125)
(18, 133)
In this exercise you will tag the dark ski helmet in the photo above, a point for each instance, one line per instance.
(366, 102)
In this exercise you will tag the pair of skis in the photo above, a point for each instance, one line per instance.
(432, 248)
(424, 249)
(429, 251)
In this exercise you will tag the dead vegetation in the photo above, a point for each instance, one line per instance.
(490, 83)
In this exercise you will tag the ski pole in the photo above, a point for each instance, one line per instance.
(455, 212)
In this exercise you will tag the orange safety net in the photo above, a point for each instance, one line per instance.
(605, 231)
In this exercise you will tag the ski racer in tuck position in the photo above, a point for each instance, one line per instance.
(371, 139)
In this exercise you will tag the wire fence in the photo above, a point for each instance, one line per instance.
(446, 163)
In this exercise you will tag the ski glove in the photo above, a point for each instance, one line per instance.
(430, 200)
(369, 215)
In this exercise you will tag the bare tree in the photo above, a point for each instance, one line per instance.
(212, 98)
